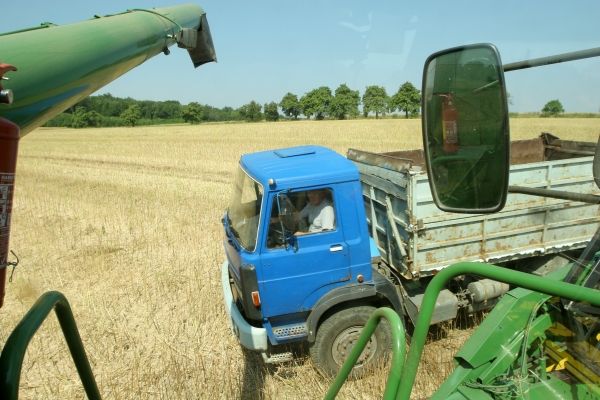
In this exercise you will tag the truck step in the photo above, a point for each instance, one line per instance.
(277, 357)
(290, 331)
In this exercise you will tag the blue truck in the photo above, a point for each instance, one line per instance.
(286, 283)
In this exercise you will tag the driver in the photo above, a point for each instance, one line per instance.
(318, 211)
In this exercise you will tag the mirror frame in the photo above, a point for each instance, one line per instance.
(505, 134)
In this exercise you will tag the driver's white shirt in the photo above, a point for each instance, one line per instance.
(320, 217)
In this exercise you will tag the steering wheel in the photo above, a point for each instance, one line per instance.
(276, 237)
(286, 214)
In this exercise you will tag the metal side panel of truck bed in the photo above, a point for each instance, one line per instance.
(417, 239)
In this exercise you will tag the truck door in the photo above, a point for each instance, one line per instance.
(316, 262)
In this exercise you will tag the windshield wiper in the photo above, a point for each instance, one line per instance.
(235, 233)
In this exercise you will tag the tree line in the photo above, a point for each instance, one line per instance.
(107, 110)
(321, 103)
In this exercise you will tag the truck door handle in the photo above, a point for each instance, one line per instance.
(336, 247)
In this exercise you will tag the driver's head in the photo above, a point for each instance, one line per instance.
(315, 197)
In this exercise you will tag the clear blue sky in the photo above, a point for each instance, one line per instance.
(267, 48)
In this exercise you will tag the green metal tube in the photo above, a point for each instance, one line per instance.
(521, 279)
(13, 353)
(398, 353)
(59, 66)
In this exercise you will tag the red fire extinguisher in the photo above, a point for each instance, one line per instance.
(9, 142)
(449, 125)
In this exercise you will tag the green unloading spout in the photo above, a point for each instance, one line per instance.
(59, 66)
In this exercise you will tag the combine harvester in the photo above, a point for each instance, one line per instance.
(542, 340)
(51, 69)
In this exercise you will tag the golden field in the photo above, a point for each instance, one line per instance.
(126, 223)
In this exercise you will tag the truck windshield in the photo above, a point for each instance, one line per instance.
(243, 214)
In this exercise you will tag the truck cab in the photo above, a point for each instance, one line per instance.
(288, 271)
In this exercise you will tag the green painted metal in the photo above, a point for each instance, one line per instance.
(510, 323)
(13, 353)
(60, 65)
(509, 319)
(519, 325)
(517, 365)
(398, 353)
(539, 284)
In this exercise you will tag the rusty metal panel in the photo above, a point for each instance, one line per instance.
(426, 239)
(556, 149)
(391, 161)
(527, 151)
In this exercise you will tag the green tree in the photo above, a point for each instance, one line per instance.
(290, 105)
(271, 111)
(94, 118)
(192, 113)
(317, 103)
(106, 104)
(82, 118)
(229, 114)
(345, 102)
(407, 99)
(552, 109)
(79, 119)
(169, 109)
(64, 119)
(132, 114)
(147, 109)
(251, 112)
(375, 100)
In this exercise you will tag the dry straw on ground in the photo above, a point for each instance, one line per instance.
(126, 223)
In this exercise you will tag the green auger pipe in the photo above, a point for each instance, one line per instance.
(398, 353)
(60, 65)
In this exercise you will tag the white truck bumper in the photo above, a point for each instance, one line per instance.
(250, 337)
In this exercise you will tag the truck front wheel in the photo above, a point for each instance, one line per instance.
(338, 334)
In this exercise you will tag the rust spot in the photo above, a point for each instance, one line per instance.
(429, 258)
(499, 246)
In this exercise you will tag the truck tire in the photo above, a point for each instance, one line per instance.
(337, 335)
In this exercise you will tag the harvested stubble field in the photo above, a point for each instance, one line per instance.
(126, 223)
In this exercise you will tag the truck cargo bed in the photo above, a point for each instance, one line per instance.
(417, 239)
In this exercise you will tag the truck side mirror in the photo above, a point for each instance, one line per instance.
(465, 129)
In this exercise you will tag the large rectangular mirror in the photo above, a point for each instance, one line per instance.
(465, 129)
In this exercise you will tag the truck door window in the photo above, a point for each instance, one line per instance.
(301, 213)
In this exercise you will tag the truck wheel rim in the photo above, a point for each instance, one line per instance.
(345, 341)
